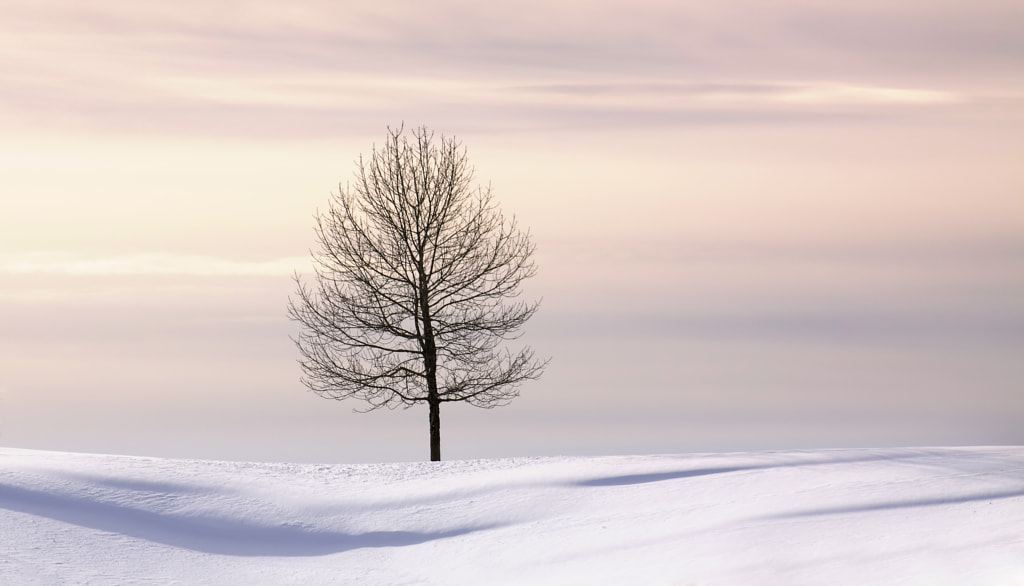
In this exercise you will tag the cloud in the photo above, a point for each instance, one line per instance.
(455, 36)
(146, 264)
(373, 92)
(748, 94)
(838, 93)
(305, 69)
(297, 106)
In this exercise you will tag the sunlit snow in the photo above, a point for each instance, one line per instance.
(867, 516)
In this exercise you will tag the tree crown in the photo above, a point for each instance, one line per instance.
(416, 284)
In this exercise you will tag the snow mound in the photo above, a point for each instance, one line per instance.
(870, 516)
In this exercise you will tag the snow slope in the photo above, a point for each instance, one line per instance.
(870, 516)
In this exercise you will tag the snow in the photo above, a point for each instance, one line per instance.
(932, 516)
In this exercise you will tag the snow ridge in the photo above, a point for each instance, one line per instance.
(857, 516)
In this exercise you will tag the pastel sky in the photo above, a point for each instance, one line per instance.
(782, 225)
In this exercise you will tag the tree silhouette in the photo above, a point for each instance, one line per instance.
(416, 286)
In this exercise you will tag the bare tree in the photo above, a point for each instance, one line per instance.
(416, 284)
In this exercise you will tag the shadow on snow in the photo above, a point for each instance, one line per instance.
(207, 534)
(628, 479)
(906, 504)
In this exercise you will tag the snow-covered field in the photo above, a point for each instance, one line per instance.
(869, 516)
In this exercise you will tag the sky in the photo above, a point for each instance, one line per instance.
(758, 227)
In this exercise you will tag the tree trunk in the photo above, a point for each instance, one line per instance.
(430, 366)
(435, 430)
(433, 398)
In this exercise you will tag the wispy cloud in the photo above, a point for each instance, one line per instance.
(750, 94)
(369, 91)
(207, 68)
(146, 264)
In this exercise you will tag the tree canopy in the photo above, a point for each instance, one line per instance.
(416, 286)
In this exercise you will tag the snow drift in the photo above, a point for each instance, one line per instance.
(869, 516)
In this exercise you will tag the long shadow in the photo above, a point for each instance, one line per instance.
(136, 485)
(628, 479)
(205, 533)
(907, 504)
